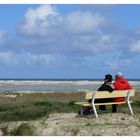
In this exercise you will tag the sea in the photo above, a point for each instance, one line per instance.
(57, 87)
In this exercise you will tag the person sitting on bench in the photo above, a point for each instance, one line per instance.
(106, 86)
(120, 84)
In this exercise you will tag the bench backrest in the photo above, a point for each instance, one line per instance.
(106, 94)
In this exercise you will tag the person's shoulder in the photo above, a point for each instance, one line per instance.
(109, 84)
(102, 87)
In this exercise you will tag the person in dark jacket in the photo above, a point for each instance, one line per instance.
(106, 86)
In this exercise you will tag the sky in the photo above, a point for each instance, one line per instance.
(69, 40)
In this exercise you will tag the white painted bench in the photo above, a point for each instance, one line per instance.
(105, 94)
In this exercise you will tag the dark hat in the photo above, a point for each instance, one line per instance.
(108, 77)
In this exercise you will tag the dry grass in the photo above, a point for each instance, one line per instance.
(35, 110)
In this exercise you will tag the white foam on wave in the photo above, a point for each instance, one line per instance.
(41, 82)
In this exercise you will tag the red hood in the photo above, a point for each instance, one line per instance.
(122, 84)
(122, 80)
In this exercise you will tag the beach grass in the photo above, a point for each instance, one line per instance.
(30, 111)
(24, 129)
(29, 114)
(33, 106)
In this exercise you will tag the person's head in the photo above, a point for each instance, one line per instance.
(118, 75)
(108, 78)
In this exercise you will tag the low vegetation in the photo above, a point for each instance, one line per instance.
(24, 129)
(33, 110)
(31, 107)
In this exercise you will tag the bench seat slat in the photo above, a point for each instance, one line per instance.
(110, 103)
(83, 103)
(89, 104)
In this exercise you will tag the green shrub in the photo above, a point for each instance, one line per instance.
(43, 103)
(74, 131)
(136, 103)
(87, 124)
(23, 130)
(71, 103)
(28, 112)
(4, 130)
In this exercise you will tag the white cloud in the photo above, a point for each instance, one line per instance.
(135, 47)
(83, 22)
(36, 21)
(8, 58)
(76, 32)
(46, 31)
(116, 64)
(46, 18)
(2, 36)
(44, 60)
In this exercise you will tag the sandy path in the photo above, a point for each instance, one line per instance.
(69, 124)
(108, 124)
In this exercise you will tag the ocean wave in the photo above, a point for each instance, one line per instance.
(42, 82)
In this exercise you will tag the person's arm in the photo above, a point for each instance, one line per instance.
(101, 88)
(110, 89)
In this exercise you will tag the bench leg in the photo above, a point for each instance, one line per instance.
(94, 109)
(81, 111)
(130, 108)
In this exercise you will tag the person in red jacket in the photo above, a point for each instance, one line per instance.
(120, 84)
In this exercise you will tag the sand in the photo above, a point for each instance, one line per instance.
(69, 124)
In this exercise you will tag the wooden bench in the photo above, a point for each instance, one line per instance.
(105, 94)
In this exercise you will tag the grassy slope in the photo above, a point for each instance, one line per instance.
(27, 107)
(33, 106)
